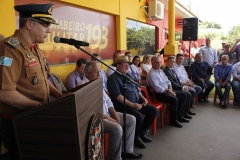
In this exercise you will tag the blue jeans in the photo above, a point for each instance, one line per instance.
(198, 89)
(223, 96)
(236, 90)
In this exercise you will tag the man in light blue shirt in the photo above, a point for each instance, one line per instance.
(102, 73)
(222, 75)
(236, 83)
(75, 77)
(209, 54)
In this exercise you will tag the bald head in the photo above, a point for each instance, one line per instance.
(156, 62)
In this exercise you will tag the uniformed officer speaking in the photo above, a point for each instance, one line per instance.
(23, 77)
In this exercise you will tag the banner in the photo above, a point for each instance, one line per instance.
(98, 29)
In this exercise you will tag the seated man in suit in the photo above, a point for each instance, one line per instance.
(113, 121)
(75, 77)
(162, 88)
(222, 75)
(201, 73)
(177, 86)
(55, 80)
(136, 104)
(102, 73)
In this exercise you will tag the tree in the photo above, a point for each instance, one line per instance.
(137, 38)
(212, 33)
(233, 35)
(210, 24)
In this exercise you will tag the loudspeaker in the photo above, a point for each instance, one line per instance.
(190, 29)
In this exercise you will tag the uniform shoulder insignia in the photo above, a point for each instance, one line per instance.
(13, 41)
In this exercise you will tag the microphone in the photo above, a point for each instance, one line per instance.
(70, 41)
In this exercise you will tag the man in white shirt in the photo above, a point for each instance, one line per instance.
(113, 121)
(182, 74)
(194, 49)
(209, 54)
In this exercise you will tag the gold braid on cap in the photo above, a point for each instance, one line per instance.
(42, 15)
(50, 9)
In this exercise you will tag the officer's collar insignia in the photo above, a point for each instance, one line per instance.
(13, 41)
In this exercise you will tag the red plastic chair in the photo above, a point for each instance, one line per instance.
(215, 97)
(159, 106)
(105, 146)
(167, 105)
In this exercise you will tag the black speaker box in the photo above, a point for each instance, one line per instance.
(190, 29)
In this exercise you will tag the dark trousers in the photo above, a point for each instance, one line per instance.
(142, 122)
(190, 98)
(177, 104)
(210, 85)
(8, 138)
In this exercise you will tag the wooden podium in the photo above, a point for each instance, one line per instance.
(58, 129)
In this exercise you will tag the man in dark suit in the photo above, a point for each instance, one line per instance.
(177, 86)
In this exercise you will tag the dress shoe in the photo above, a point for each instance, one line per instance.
(145, 138)
(176, 124)
(139, 143)
(191, 113)
(182, 119)
(205, 100)
(132, 155)
(187, 116)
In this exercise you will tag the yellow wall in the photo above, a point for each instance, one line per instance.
(123, 9)
(7, 18)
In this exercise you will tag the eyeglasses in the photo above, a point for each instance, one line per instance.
(45, 25)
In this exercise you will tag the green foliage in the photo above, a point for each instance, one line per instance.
(233, 35)
(137, 38)
(212, 33)
(210, 24)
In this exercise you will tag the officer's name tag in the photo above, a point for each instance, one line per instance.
(32, 64)
(5, 61)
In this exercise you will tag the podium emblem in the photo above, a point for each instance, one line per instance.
(94, 146)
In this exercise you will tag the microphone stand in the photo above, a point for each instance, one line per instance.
(126, 79)
(189, 68)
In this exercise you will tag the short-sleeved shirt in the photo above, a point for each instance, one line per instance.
(115, 88)
(27, 73)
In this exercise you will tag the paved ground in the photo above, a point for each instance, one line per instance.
(213, 134)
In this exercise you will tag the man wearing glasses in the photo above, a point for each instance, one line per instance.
(23, 78)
